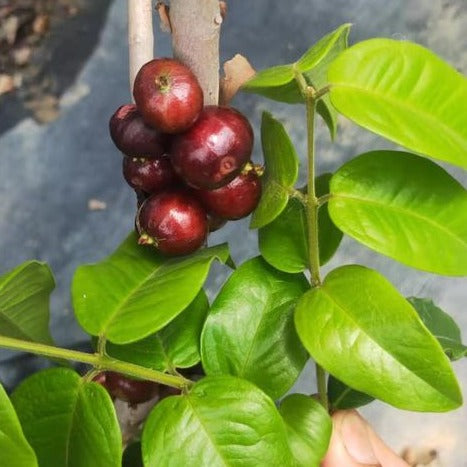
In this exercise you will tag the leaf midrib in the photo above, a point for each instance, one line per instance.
(206, 431)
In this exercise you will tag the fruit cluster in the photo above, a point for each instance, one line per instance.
(189, 165)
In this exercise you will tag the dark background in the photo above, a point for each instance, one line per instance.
(49, 172)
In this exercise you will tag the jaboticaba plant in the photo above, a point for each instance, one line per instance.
(215, 375)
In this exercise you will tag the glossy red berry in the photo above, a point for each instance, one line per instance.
(130, 390)
(174, 222)
(168, 95)
(132, 136)
(148, 175)
(235, 200)
(214, 150)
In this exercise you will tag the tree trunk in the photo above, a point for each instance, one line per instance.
(195, 41)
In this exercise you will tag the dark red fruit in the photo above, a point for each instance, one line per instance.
(168, 95)
(174, 222)
(130, 390)
(214, 150)
(148, 175)
(132, 136)
(234, 200)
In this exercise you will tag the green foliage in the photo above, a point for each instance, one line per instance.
(405, 93)
(222, 421)
(68, 422)
(144, 291)
(278, 82)
(174, 346)
(281, 171)
(342, 396)
(442, 326)
(15, 450)
(24, 302)
(359, 328)
(249, 331)
(309, 429)
(405, 207)
(284, 242)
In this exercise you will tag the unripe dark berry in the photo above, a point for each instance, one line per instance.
(235, 200)
(213, 151)
(133, 391)
(132, 136)
(148, 175)
(168, 95)
(174, 222)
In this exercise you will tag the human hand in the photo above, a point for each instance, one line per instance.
(355, 444)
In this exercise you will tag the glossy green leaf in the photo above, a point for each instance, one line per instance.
(174, 346)
(280, 174)
(283, 242)
(249, 331)
(343, 397)
(309, 429)
(442, 326)
(135, 292)
(15, 451)
(278, 82)
(405, 93)
(68, 422)
(361, 330)
(223, 421)
(24, 302)
(405, 207)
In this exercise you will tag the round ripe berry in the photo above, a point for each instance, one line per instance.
(214, 150)
(132, 136)
(174, 222)
(235, 200)
(148, 175)
(168, 95)
(133, 391)
(215, 222)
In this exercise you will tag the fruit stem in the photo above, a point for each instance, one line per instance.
(102, 362)
(312, 206)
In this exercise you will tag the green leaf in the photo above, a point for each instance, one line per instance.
(174, 346)
(24, 302)
(249, 331)
(309, 429)
(222, 421)
(15, 450)
(442, 326)
(283, 242)
(278, 83)
(135, 291)
(343, 397)
(315, 64)
(68, 421)
(329, 236)
(361, 330)
(405, 93)
(281, 171)
(405, 207)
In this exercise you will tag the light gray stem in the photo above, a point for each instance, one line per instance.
(195, 41)
(140, 36)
